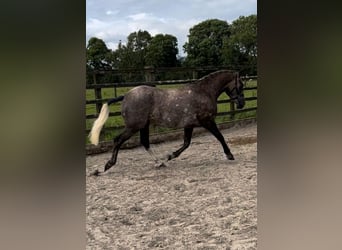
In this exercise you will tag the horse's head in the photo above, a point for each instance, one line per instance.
(235, 91)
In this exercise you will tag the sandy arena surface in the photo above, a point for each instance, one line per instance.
(199, 201)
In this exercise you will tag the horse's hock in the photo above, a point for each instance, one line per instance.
(200, 200)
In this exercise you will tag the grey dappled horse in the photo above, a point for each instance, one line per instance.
(192, 105)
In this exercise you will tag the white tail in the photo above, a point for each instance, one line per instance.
(98, 124)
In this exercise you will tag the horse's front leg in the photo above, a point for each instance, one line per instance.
(212, 127)
(187, 141)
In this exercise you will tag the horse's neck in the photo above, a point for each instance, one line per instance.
(214, 87)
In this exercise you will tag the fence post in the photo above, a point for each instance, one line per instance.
(115, 92)
(232, 108)
(98, 95)
(149, 74)
(194, 74)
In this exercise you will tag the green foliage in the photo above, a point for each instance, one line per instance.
(97, 54)
(204, 47)
(162, 51)
(216, 43)
(133, 54)
(99, 57)
(241, 47)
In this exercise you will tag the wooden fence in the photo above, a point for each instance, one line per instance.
(150, 76)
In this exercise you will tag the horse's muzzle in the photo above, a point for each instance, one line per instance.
(240, 102)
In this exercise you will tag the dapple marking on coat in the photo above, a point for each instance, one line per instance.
(192, 105)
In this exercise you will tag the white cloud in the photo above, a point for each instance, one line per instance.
(176, 18)
(109, 31)
(139, 16)
(112, 45)
(156, 25)
(111, 12)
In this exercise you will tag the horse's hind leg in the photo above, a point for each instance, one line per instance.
(211, 126)
(145, 141)
(118, 141)
(187, 140)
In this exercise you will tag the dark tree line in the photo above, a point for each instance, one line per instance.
(212, 42)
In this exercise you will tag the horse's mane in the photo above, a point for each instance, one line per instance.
(213, 74)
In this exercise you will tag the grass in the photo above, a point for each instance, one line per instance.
(117, 121)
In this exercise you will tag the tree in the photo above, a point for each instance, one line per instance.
(97, 54)
(134, 53)
(206, 39)
(241, 47)
(162, 51)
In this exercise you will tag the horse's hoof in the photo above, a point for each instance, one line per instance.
(230, 157)
(106, 168)
(95, 173)
(169, 157)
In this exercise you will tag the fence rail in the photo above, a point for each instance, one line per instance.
(98, 87)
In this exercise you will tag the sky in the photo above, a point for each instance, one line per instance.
(114, 20)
